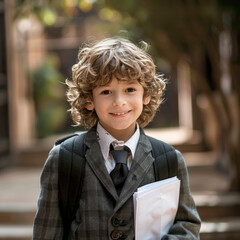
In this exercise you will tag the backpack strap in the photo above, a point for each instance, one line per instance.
(166, 162)
(71, 172)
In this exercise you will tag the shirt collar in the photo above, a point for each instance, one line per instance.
(105, 139)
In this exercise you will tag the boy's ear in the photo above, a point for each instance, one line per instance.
(146, 100)
(90, 106)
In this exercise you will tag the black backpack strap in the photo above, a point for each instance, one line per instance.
(166, 162)
(71, 172)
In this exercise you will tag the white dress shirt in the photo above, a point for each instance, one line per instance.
(106, 139)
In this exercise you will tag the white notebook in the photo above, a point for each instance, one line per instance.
(155, 208)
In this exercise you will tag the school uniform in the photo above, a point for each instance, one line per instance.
(102, 213)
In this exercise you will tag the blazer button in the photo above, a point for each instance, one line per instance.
(116, 234)
(116, 222)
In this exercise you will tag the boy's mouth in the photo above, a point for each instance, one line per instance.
(120, 113)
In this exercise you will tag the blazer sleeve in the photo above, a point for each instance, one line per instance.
(187, 222)
(47, 221)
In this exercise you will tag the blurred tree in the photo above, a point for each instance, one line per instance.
(49, 11)
(48, 95)
(205, 33)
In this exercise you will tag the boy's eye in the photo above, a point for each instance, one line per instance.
(105, 92)
(131, 90)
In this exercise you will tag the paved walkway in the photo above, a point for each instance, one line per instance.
(19, 185)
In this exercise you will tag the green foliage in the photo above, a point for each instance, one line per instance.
(50, 120)
(49, 11)
(49, 98)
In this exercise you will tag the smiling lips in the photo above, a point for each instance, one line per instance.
(120, 114)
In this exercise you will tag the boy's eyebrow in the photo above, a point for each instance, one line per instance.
(127, 82)
(132, 82)
(102, 86)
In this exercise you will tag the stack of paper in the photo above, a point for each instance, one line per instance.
(155, 207)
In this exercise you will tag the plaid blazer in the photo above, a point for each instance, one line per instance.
(102, 213)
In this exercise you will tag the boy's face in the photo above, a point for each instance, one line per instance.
(118, 106)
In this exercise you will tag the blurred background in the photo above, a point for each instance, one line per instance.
(195, 44)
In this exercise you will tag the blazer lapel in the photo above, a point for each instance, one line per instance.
(142, 162)
(95, 160)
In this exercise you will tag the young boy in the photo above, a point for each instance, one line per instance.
(114, 92)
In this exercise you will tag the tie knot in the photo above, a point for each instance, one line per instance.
(120, 156)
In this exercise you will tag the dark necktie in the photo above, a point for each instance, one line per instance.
(120, 172)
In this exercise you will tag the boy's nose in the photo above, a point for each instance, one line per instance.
(119, 100)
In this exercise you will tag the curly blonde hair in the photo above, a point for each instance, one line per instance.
(98, 64)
